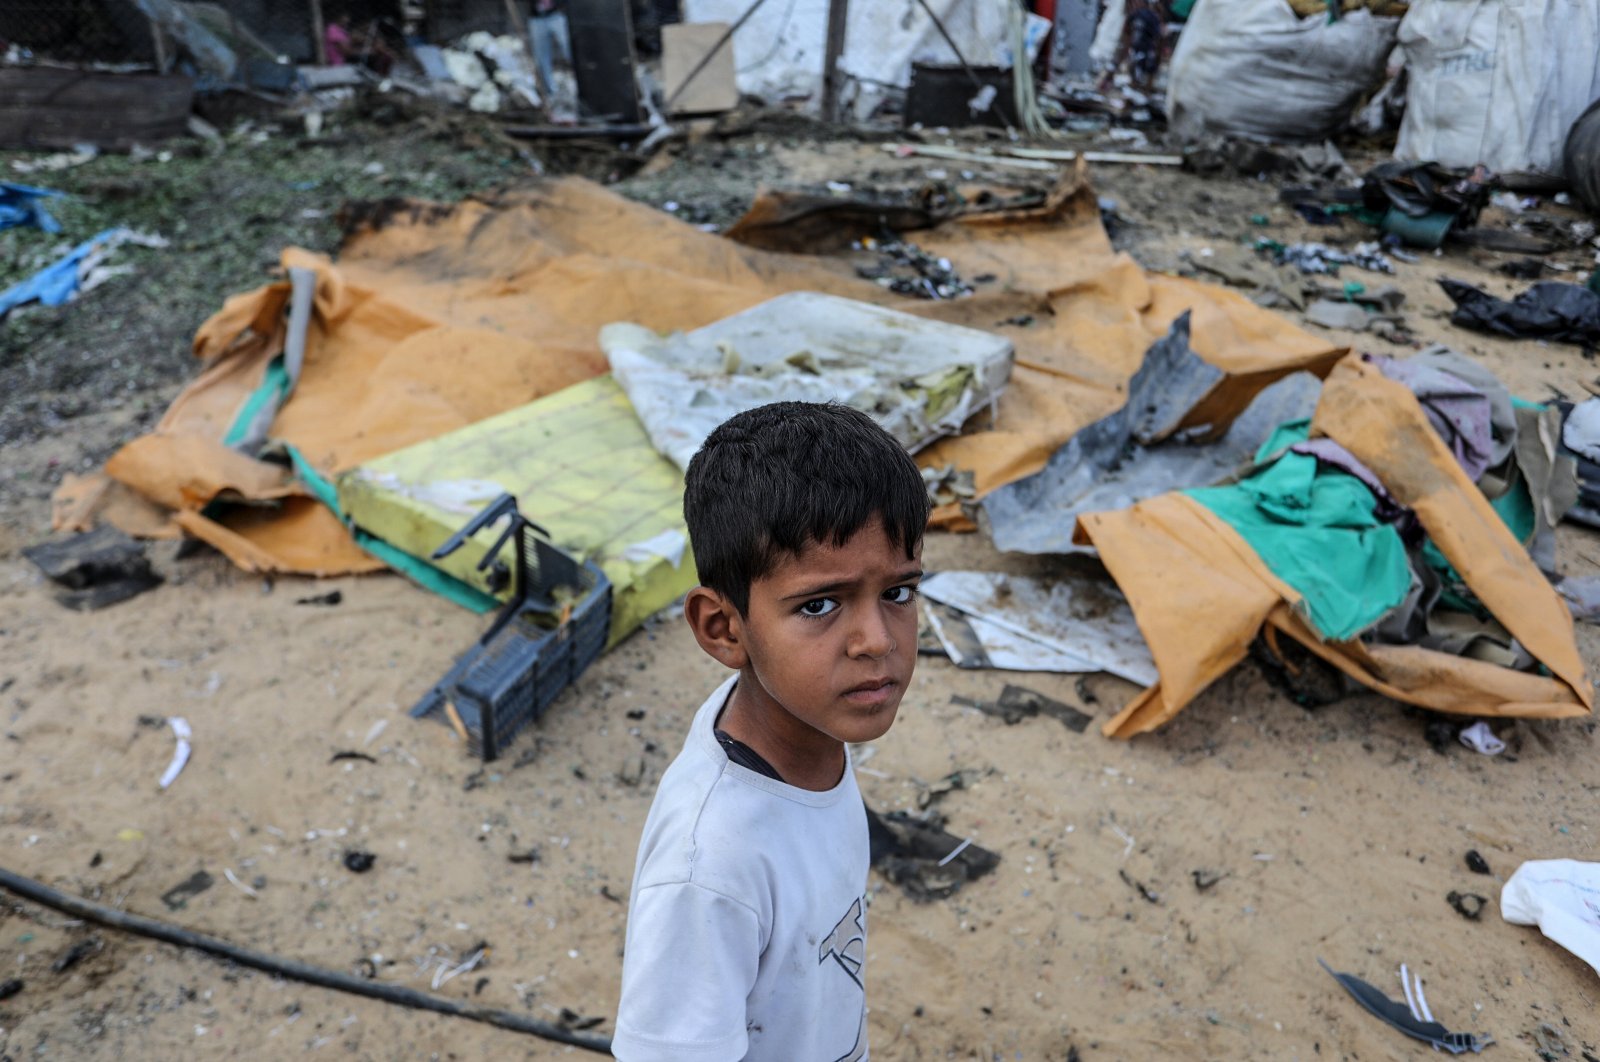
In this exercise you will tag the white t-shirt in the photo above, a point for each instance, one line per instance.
(747, 926)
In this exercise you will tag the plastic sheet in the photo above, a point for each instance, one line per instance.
(1117, 460)
(1255, 68)
(1548, 310)
(1562, 898)
(1067, 624)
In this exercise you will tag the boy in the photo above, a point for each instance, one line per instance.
(747, 920)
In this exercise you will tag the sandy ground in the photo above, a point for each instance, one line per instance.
(1334, 834)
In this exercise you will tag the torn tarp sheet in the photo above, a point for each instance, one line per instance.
(1201, 594)
(23, 204)
(779, 47)
(1118, 460)
(1071, 623)
(78, 270)
(919, 379)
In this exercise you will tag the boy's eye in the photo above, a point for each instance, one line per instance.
(900, 595)
(819, 606)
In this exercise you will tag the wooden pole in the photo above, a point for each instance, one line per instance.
(159, 39)
(838, 16)
(318, 50)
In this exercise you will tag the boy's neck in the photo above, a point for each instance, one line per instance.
(803, 756)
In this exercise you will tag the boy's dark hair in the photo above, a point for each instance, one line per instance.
(778, 478)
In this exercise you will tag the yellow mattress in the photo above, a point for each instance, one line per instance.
(580, 465)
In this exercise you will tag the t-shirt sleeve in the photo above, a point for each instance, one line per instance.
(691, 961)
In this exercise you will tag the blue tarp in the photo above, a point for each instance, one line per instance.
(22, 204)
(55, 283)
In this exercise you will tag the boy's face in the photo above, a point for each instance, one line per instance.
(830, 637)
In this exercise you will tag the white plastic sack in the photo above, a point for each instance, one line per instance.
(1108, 34)
(1562, 898)
(1255, 68)
(1497, 82)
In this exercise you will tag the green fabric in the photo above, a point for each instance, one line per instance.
(1353, 568)
(424, 575)
(274, 388)
(1316, 529)
(1181, 8)
(1283, 436)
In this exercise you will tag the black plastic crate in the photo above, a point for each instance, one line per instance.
(519, 670)
(556, 623)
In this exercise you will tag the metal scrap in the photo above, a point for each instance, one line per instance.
(906, 269)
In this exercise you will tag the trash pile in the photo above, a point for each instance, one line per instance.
(1363, 530)
(211, 63)
(1225, 458)
(484, 72)
(252, 459)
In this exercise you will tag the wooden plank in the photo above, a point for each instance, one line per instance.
(934, 151)
(1032, 158)
(683, 46)
(1065, 155)
(319, 29)
(57, 107)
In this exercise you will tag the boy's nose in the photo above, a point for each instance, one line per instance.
(872, 637)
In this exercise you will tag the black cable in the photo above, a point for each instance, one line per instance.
(290, 968)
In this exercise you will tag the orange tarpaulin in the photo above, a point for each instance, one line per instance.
(437, 317)
(1201, 595)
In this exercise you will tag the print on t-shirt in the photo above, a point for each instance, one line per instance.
(847, 946)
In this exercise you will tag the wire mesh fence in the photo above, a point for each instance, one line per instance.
(105, 31)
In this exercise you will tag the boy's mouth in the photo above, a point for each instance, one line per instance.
(871, 692)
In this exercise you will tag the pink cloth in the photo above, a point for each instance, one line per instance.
(336, 44)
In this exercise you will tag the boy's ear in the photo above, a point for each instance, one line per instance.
(717, 626)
